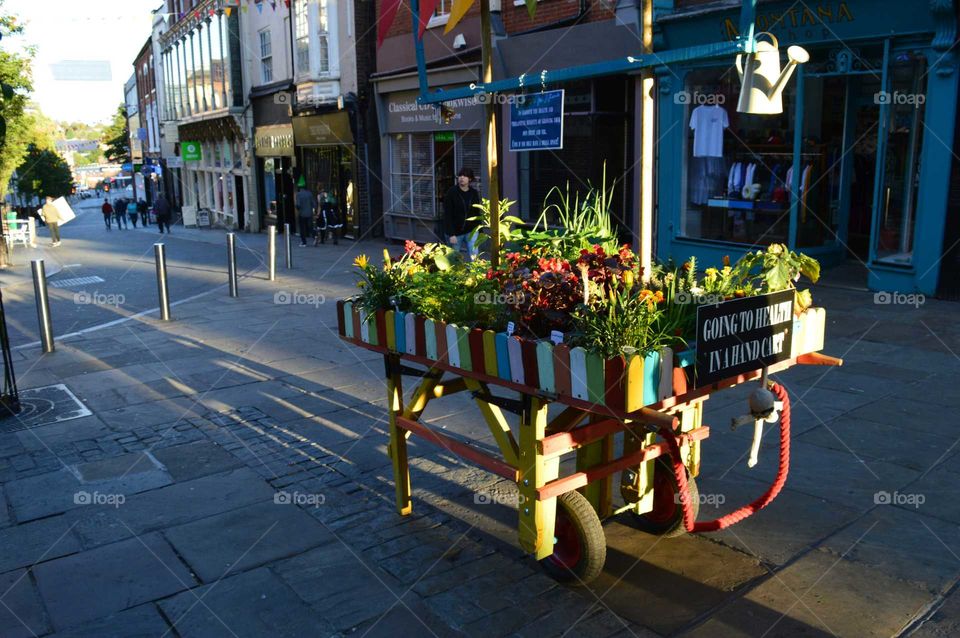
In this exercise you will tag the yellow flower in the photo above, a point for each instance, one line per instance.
(361, 262)
(711, 273)
(628, 279)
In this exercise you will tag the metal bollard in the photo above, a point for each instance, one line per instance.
(232, 263)
(272, 252)
(43, 304)
(159, 252)
(287, 239)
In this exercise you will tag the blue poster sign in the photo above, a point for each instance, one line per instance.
(126, 167)
(536, 122)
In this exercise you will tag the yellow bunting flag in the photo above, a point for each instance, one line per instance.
(457, 11)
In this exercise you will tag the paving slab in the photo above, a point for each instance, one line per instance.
(247, 537)
(820, 595)
(144, 621)
(30, 543)
(55, 434)
(342, 587)
(193, 460)
(944, 621)
(172, 505)
(21, 611)
(108, 579)
(905, 544)
(665, 584)
(253, 604)
(43, 495)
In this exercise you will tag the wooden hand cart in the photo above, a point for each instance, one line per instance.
(646, 399)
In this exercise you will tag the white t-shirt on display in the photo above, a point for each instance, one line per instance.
(708, 123)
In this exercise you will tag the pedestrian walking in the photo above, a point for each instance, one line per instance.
(120, 213)
(458, 206)
(132, 212)
(51, 216)
(328, 218)
(144, 209)
(107, 211)
(306, 208)
(161, 208)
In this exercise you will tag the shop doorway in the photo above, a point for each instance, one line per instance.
(330, 169)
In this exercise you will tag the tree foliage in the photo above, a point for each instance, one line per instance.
(15, 74)
(44, 172)
(117, 137)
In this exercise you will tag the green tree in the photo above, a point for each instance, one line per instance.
(17, 83)
(43, 173)
(117, 137)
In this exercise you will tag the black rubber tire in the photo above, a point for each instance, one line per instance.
(669, 520)
(577, 522)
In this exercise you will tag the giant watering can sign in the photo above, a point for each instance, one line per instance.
(743, 335)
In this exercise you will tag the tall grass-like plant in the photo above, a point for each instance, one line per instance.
(507, 222)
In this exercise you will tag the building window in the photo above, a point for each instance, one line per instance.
(266, 57)
(302, 36)
(323, 35)
(441, 14)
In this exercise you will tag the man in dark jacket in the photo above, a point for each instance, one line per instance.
(458, 205)
(120, 213)
(143, 209)
(306, 208)
(161, 209)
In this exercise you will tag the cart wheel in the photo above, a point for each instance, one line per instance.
(666, 517)
(580, 547)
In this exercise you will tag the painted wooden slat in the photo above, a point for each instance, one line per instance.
(453, 350)
(545, 366)
(364, 329)
(680, 384)
(651, 377)
(400, 323)
(578, 374)
(490, 352)
(463, 346)
(348, 319)
(441, 330)
(390, 322)
(381, 328)
(666, 374)
(796, 338)
(410, 333)
(595, 383)
(515, 352)
(531, 371)
(420, 336)
(614, 382)
(633, 392)
(372, 332)
(355, 320)
(503, 356)
(815, 323)
(340, 322)
(561, 369)
(477, 358)
(430, 334)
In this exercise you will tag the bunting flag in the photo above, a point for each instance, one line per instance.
(388, 13)
(228, 11)
(260, 8)
(457, 11)
(273, 4)
(427, 7)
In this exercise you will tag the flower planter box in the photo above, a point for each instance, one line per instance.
(625, 383)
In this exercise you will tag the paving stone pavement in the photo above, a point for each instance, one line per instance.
(232, 480)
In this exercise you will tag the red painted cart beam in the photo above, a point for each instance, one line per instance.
(465, 450)
(582, 479)
(817, 359)
(566, 441)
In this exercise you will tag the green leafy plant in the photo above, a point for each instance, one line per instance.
(779, 268)
(381, 288)
(623, 322)
(481, 234)
(462, 294)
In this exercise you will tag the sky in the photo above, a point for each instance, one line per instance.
(94, 40)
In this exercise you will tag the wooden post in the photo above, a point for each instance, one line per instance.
(493, 181)
(648, 137)
(537, 518)
(398, 437)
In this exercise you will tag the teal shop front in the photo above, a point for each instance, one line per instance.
(857, 168)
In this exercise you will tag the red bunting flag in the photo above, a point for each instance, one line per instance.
(388, 13)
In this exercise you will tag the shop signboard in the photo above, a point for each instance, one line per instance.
(191, 151)
(443, 136)
(741, 335)
(536, 122)
(406, 115)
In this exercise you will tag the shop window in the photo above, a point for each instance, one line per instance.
(302, 36)
(738, 167)
(905, 102)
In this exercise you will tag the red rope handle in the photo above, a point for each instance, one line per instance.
(738, 515)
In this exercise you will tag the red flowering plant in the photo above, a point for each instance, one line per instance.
(540, 292)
